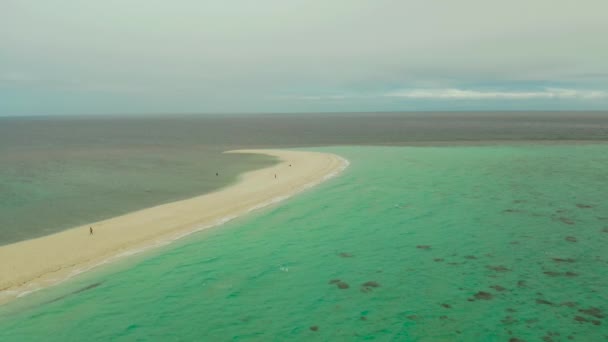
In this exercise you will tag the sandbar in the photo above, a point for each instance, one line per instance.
(33, 264)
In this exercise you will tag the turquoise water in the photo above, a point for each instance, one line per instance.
(495, 243)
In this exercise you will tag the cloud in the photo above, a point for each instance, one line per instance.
(31, 81)
(299, 55)
(456, 94)
(328, 97)
(467, 94)
(14, 77)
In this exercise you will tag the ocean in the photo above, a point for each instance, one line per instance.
(456, 240)
(75, 170)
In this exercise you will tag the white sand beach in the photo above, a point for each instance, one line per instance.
(41, 262)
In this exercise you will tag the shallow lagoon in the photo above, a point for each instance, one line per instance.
(410, 243)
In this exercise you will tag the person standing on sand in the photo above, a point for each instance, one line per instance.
(90, 230)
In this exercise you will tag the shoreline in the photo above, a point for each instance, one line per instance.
(45, 261)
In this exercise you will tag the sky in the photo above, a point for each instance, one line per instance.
(225, 56)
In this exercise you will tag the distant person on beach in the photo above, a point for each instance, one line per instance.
(217, 174)
(90, 230)
(275, 176)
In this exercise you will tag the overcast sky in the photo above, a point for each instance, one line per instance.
(189, 56)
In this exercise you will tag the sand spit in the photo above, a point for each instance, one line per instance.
(33, 264)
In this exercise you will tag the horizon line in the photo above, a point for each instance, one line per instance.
(166, 114)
